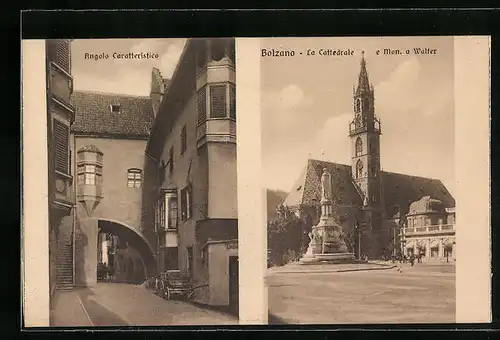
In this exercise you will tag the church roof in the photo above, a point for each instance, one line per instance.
(363, 81)
(398, 190)
(307, 189)
(94, 115)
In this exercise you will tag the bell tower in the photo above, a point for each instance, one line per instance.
(364, 132)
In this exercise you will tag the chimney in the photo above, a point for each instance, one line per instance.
(157, 89)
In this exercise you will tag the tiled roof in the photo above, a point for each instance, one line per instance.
(94, 115)
(397, 189)
(307, 189)
(402, 190)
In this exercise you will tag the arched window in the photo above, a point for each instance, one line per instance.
(359, 146)
(358, 105)
(366, 104)
(134, 178)
(359, 169)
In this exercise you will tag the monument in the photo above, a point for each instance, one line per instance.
(327, 239)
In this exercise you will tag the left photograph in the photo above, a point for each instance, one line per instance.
(143, 221)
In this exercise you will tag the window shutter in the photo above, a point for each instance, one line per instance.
(58, 52)
(232, 102)
(189, 202)
(61, 138)
(202, 105)
(218, 101)
(183, 204)
(183, 140)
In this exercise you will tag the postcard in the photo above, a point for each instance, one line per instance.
(350, 185)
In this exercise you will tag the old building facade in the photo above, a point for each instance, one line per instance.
(190, 171)
(428, 231)
(368, 202)
(60, 116)
(107, 143)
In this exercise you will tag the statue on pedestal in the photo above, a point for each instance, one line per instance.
(326, 186)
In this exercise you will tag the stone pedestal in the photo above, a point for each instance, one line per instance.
(327, 243)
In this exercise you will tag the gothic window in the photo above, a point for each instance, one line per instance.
(359, 169)
(358, 105)
(359, 147)
(134, 178)
(366, 104)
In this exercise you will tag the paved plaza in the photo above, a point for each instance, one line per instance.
(117, 304)
(424, 293)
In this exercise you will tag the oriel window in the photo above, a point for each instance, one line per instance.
(89, 174)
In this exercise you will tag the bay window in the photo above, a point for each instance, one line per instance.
(89, 174)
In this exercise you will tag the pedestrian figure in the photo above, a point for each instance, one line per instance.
(412, 260)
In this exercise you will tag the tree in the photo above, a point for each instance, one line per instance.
(285, 237)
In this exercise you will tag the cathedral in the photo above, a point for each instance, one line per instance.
(383, 212)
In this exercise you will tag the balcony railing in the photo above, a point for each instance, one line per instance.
(429, 229)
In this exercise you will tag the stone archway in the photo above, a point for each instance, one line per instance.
(134, 238)
(87, 231)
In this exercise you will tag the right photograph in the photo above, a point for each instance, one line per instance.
(358, 167)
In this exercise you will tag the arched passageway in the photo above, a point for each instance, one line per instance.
(135, 240)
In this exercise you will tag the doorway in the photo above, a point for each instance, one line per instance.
(233, 284)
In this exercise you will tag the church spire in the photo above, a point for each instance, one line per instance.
(363, 82)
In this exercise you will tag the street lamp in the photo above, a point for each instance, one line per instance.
(358, 233)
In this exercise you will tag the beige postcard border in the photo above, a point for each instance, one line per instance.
(252, 220)
(35, 216)
(472, 173)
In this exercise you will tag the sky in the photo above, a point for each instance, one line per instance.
(307, 105)
(122, 76)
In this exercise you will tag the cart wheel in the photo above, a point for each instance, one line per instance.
(167, 294)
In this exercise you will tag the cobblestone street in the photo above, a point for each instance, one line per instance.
(419, 294)
(116, 304)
